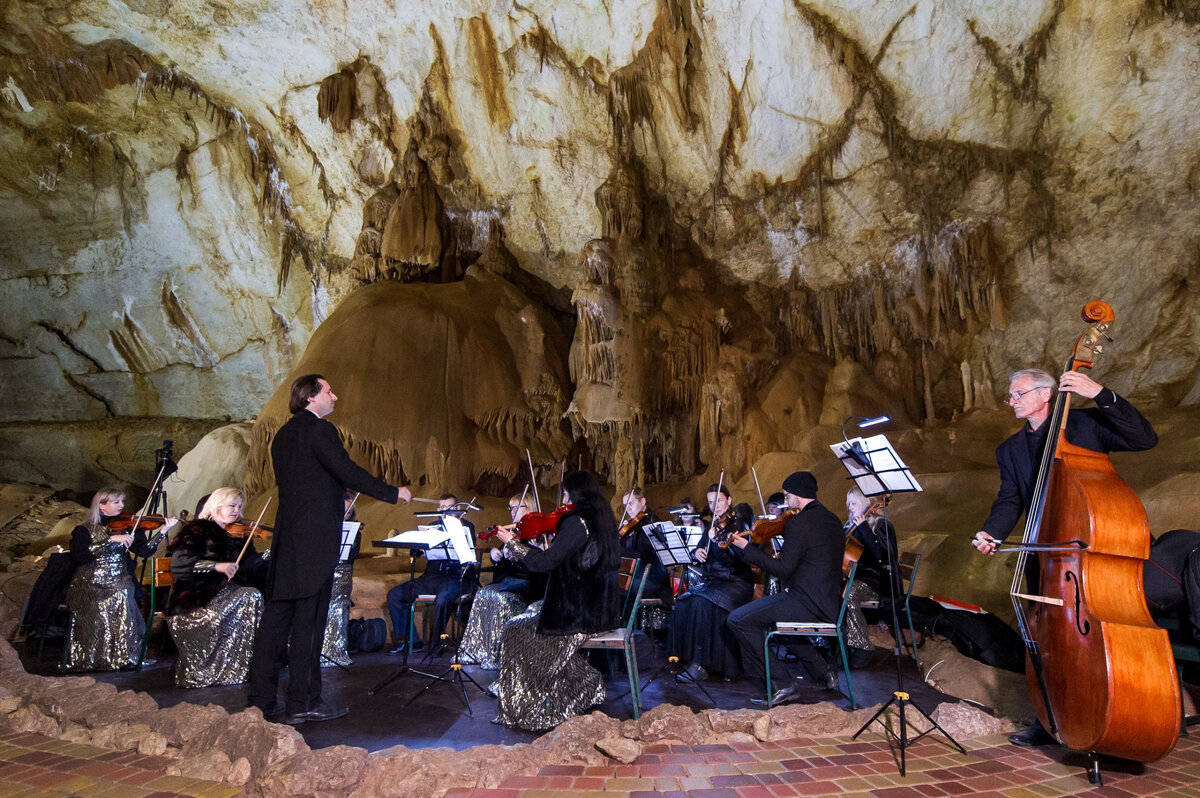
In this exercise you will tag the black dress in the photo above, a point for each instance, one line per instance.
(699, 633)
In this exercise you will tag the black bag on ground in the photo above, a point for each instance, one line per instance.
(984, 637)
(367, 635)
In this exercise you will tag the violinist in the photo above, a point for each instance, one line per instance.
(508, 595)
(1112, 425)
(542, 679)
(867, 525)
(699, 635)
(212, 613)
(809, 568)
(108, 628)
(445, 579)
(634, 541)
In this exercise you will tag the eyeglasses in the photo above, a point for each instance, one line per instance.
(1015, 396)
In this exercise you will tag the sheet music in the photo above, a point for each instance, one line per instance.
(693, 535)
(668, 543)
(349, 535)
(891, 474)
(460, 541)
(422, 536)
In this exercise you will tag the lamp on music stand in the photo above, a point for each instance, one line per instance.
(877, 470)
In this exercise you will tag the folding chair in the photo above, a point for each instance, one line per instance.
(815, 629)
(161, 578)
(909, 563)
(622, 639)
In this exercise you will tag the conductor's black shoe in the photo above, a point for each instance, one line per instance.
(276, 712)
(295, 718)
(399, 649)
(829, 681)
(1035, 735)
(325, 711)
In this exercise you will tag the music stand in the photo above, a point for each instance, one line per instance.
(672, 546)
(877, 469)
(421, 540)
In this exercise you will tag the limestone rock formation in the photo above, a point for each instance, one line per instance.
(929, 192)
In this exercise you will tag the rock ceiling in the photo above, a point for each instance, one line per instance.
(698, 209)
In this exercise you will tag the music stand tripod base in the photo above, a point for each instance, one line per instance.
(902, 699)
(456, 675)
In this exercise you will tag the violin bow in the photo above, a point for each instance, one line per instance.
(720, 482)
(537, 502)
(758, 488)
(349, 509)
(137, 520)
(250, 534)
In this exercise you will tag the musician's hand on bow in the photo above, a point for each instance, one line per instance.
(124, 540)
(985, 543)
(701, 554)
(1080, 383)
(405, 495)
(227, 568)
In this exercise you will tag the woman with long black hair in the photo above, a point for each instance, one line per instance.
(543, 681)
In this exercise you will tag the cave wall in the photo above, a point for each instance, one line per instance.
(926, 192)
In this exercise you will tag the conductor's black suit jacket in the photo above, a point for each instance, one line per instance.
(313, 471)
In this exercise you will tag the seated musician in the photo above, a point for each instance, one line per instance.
(635, 542)
(446, 579)
(867, 526)
(511, 590)
(108, 626)
(542, 680)
(337, 623)
(1112, 425)
(211, 614)
(809, 568)
(1172, 577)
(699, 635)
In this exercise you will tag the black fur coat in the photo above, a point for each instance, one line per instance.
(200, 541)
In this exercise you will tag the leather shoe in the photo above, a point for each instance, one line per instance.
(696, 672)
(783, 695)
(1035, 735)
(325, 711)
(829, 681)
(295, 718)
(399, 649)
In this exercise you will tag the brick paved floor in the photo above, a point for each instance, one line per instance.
(840, 766)
(31, 764)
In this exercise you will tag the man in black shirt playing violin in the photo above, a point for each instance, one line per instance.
(1112, 425)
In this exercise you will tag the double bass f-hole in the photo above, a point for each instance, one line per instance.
(1085, 626)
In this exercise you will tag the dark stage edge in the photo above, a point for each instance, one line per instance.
(439, 719)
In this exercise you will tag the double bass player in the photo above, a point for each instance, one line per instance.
(1112, 425)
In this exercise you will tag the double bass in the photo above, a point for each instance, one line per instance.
(1100, 673)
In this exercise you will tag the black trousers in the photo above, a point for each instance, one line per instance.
(302, 621)
(750, 622)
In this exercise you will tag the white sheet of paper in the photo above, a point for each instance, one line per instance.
(891, 474)
(428, 535)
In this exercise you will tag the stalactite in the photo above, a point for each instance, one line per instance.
(337, 99)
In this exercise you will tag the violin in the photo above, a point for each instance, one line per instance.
(631, 524)
(532, 525)
(123, 523)
(239, 529)
(766, 528)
